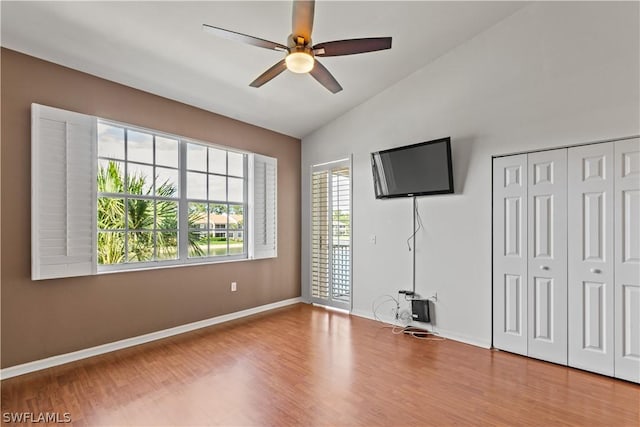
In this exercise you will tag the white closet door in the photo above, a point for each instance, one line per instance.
(510, 253)
(590, 257)
(627, 260)
(547, 269)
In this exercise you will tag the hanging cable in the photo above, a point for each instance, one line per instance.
(419, 222)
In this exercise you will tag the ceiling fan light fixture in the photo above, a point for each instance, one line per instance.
(299, 62)
(300, 51)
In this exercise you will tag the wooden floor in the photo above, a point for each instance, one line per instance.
(303, 365)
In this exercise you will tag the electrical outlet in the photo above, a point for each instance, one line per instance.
(372, 239)
(234, 286)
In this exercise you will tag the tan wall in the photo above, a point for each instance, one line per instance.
(45, 318)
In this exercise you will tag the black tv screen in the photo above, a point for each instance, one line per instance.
(413, 170)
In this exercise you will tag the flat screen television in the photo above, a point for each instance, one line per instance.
(414, 170)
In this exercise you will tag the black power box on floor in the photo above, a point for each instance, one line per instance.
(420, 310)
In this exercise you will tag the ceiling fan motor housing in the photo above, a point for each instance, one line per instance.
(295, 42)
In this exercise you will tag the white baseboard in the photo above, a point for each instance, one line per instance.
(61, 359)
(454, 336)
(369, 316)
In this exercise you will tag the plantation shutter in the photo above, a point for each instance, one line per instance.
(264, 207)
(63, 193)
(331, 234)
(340, 234)
(320, 234)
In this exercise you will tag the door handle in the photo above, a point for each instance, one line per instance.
(595, 270)
(544, 267)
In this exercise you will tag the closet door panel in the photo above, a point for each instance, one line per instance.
(547, 263)
(590, 257)
(510, 253)
(627, 260)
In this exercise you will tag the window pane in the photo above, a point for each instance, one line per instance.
(139, 179)
(110, 248)
(236, 189)
(236, 242)
(218, 209)
(167, 245)
(236, 164)
(198, 244)
(141, 246)
(198, 216)
(217, 187)
(236, 229)
(197, 157)
(139, 147)
(110, 141)
(110, 213)
(167, 182)
(218, 243)
(166, 215)
(166, 152)
(110, 176)
(236, 217)
(217, 161)
(217, 216)
(140, 212)
(196, 185)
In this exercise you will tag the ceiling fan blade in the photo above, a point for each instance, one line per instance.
(243, 38)
(322, 75)
(352, 46)
(303, 19)
(269, 74)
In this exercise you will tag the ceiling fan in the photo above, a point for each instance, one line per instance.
(301, 55)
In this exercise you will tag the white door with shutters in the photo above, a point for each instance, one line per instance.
(331, 234)
(627, 260)
(547, 269)
(590, 257)
(510, 253)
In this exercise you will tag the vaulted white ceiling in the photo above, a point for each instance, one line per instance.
(159, 47)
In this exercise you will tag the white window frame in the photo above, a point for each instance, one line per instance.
(183, 206)
(255, 247)
(125, 196)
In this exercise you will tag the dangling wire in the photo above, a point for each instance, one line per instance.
(415, 231)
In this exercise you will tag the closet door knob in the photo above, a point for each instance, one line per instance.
(595, 270)
(544, 267)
